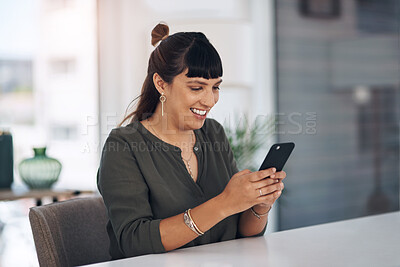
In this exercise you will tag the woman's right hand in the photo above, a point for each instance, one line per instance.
(242, 192)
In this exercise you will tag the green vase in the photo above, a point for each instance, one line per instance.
(39, 172)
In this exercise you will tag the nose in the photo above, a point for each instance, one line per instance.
(208, 99)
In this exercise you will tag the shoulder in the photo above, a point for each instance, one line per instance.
(125, 138)
(122, 142)
(125, 133)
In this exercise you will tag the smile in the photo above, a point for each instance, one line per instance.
(198, 111)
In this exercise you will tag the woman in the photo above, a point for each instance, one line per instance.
(169, 178)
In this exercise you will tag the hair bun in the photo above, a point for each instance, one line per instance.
(159, 33)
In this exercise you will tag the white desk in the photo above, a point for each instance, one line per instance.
(368, 241)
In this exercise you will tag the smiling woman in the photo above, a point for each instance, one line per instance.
(180, 59)
(169, 178)
(192, 99)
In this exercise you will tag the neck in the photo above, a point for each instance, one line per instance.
(168, 130)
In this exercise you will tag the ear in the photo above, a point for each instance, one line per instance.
(159, 83)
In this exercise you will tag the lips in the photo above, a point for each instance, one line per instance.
(200, 112)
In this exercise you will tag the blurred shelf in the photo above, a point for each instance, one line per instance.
(9, 195)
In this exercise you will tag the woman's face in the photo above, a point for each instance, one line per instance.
(190, 99)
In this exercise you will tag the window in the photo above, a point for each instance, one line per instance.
(48, 86)
(16, 95)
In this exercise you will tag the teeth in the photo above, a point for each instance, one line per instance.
(199, 112)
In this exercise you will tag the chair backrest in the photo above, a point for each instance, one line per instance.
(71, 232)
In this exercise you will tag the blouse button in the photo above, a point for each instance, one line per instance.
(196, 148)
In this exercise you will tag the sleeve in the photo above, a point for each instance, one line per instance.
(125, 195)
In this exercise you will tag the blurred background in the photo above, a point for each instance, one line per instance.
(327, 71)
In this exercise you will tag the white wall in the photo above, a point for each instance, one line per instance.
(70, 98)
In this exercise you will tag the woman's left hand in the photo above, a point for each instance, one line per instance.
(268, 190)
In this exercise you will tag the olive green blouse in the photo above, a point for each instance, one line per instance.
(143, 179)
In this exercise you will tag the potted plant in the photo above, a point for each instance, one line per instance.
(247, 138)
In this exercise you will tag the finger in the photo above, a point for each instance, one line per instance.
(259, 175)
(269, 199)
(279, 175)
(272, 188)
(263, 183)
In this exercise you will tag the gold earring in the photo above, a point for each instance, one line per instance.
(162, 100)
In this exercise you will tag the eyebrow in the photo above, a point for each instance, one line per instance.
(203, 83)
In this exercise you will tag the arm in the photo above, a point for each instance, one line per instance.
(125, 194)
(175, 233)
(250, 225)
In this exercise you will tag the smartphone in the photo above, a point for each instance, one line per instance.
(277, 156)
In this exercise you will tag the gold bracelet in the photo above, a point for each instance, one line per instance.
(194, 224)
(259, 215)
(190, 223)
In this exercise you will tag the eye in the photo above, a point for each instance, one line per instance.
(216, 88)
(196, 88)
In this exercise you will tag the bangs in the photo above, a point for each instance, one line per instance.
(202, 60)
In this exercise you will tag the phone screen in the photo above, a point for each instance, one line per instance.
(277, 156)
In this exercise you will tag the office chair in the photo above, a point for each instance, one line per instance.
(71, 232)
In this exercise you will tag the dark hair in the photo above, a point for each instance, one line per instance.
(175, 54)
